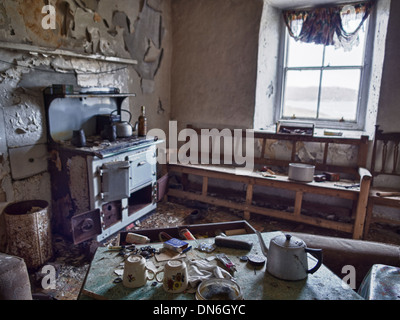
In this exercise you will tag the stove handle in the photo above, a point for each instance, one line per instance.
(141, 163)
(102, 171)
(87, 225)
(124, 168)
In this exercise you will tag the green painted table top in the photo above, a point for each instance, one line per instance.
(255, 282)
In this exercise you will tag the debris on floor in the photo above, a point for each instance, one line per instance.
(71, 263)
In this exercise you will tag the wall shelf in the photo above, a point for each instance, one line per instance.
(61, 52)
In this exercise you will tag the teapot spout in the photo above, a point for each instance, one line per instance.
(136, 126)
(262, 243)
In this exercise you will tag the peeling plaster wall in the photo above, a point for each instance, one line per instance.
(84, 26)
(103, 27)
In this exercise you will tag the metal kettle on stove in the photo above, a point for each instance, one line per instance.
(287, 257)
(124, 128)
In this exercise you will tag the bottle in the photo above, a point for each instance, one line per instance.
(142, 129)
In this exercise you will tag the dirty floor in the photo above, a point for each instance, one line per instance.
(72, 262)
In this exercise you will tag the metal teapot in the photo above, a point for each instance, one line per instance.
(124, 128)
(287, 257)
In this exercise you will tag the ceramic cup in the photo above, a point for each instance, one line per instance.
(78, 138)
(175, 277)
(135, 272)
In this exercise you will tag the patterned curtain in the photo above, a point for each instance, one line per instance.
(328, 25)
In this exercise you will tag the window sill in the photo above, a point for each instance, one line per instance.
(320, 132)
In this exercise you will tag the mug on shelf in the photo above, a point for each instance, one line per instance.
(175, 278)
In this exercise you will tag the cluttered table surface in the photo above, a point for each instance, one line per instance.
(104, 278)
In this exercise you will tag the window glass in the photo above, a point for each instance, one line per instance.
(322, 82)
(301, 94)
(301, 54)
(339, 95)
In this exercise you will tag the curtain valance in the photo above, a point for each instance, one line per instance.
(334, 25)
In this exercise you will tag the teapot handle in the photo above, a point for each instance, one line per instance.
(130, 114)
(317, 253)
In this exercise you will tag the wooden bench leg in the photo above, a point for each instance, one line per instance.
(361, 212)
(204, 186)
(185, 181)
(297, 203)
(358, 230)
(354, 209)
(368, 219)
(249, 199)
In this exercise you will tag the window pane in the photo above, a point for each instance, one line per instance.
(301, 93)
(339, 94)
(340, 57)
(301, 54)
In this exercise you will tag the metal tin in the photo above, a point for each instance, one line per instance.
(301, 172)
(28, 231)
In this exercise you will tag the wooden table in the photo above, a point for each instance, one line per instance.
(255, 283)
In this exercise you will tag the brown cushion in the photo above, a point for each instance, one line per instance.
(338, 252)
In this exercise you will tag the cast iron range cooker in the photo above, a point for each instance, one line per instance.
(104, 186)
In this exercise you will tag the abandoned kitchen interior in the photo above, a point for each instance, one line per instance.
(199, 149)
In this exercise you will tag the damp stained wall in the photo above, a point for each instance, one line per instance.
(129, 30)
(389, 112)
(214, 65)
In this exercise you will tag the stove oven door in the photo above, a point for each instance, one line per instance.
(86, 225)
(142, 169)
(115, 180)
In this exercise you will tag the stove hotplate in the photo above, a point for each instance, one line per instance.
(102, 148)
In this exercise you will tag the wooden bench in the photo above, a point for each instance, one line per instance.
(384, 163)
(253, 178)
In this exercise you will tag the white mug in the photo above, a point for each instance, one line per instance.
(175, 278)
(135, 272)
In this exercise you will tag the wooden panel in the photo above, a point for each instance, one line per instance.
(385, 161)
(340, 226)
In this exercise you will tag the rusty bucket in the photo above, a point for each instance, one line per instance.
(28, 231)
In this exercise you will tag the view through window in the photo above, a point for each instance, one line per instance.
(322, 82)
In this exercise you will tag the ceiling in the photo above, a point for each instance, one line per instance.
(294, 4)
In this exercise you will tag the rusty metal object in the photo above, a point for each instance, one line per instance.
(28, 231)
(85, 225)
